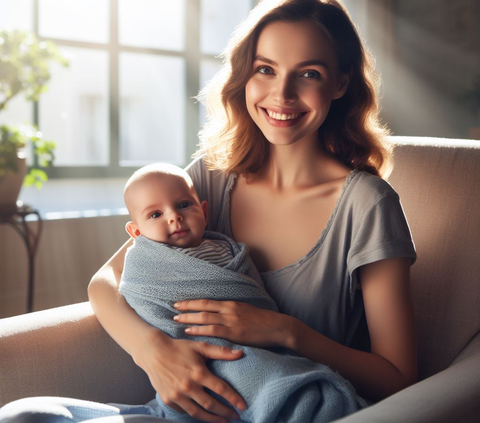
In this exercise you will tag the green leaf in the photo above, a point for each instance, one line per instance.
(29, 180)
(35, 177)
(25, 68)
(25, 64)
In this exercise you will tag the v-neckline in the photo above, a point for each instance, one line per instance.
(227, 216)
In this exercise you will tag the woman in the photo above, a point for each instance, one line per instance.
(292, 113)
(291, 162)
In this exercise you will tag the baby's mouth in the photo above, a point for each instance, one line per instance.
(180, 232)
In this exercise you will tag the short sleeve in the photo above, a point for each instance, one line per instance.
(382, 233)
(196, 171)
(210, 186)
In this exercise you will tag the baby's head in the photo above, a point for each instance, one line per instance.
(164, 206)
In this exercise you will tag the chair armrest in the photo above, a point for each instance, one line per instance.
(449, 396)
(64, 351)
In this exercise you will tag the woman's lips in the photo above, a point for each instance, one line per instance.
(282, 120)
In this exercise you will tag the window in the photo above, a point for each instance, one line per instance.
(135, 65)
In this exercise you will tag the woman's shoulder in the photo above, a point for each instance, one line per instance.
(196, 168)
(205, 179)
(364, 191)
(211, 186)
(369, 187)
(377, 222)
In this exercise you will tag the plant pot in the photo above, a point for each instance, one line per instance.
(11, 184)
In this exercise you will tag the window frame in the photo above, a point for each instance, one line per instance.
(192, 57)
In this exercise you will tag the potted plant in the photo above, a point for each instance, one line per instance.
(24, 68)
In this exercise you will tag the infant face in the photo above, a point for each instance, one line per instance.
(165, 209)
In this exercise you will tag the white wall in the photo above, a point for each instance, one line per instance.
(70, 252)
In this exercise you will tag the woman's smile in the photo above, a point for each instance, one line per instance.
(282, 120)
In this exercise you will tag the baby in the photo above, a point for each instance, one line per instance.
(164, 207)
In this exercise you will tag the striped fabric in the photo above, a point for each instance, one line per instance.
(214, 251)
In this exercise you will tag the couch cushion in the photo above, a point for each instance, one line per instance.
(438, 181)
(65, 352)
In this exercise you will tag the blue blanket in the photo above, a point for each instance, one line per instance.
(277, 385)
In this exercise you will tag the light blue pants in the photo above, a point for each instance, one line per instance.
(69, 410)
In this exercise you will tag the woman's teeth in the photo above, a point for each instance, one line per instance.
(282, 116)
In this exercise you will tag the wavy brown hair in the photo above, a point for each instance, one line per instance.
(352, 131)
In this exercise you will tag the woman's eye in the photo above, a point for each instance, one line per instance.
(265, 70)
(311, 74)
(184, 205)
(155, 215)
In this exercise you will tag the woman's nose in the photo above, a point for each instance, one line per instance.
(285, 91)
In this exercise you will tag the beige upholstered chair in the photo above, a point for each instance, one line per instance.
(65, 351)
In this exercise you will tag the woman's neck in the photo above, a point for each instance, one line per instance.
(298, 166)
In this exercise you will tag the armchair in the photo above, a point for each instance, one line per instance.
(65, 351)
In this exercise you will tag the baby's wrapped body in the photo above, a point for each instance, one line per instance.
(278, 386)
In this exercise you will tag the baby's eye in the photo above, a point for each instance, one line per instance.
(156, 215)
(184, 204)
(311, 74)
(265, 70)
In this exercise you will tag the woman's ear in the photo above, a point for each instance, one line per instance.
(343, 81)
(204, 205)
(132, 229)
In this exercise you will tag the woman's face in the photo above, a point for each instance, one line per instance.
(295, 78)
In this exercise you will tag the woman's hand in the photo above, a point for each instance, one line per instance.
(236, 322)
(180, 380)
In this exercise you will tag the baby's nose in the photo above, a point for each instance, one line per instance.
(174, 217)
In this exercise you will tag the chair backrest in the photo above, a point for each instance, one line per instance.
(438, 181)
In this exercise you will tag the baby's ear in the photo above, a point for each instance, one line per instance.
(204, 205)
(132, 229)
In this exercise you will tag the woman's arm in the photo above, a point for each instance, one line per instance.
(392, 363)
(176, 368)
(110, 306)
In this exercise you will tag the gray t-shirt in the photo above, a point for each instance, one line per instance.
(322, 288)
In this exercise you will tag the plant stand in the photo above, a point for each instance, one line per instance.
(17, 218)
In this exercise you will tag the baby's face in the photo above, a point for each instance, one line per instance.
(166, 210)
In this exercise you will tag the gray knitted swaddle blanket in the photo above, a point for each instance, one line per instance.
(277, 385)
